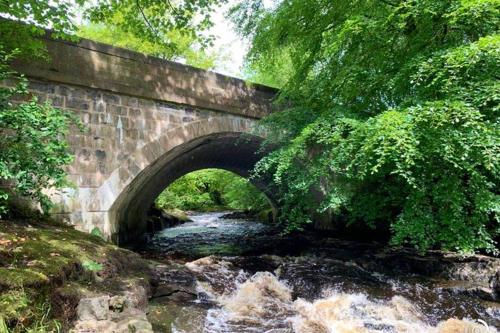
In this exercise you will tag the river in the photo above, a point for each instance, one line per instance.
(233, 275)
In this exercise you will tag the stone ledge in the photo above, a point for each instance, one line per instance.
(95, 65)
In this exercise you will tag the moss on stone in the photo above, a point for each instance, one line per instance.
(18, 277)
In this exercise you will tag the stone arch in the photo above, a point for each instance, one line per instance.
(125, 196)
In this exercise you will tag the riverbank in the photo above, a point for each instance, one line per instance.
(53, 278)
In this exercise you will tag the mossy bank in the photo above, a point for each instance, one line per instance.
(47, 268)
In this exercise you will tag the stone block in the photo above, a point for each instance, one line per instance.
(94, 94)
(111, 98)
(125, 123)
(87, 167)
(132, 134)
(146, 103)
(72, 92)
(77, 103)
(55, 100)
(83, 156)
(84, 117)
(88, 180)
(130, 145)
(94, 118)
(134, 112)
(99, 106)
(124, 175)
(137, 123)
(44, 87)
(117, 109)
(130, 101)
(162, 116)
(103, 130)
(175, 119)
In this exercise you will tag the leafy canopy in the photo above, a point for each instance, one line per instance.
(186, 49)
(155, 20)
(175, 43)
(394, 118)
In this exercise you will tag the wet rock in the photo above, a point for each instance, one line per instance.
(114, 314)
(159, 219)
(175, 283)
(136, 297)
(137, 323)
(467, 288)
(175, 275)
(379, 327)
(178, 296)
(480, 271)
(236, 215)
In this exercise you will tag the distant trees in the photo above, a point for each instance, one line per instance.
(212, 189)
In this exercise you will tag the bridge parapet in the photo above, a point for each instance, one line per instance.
(95, 65)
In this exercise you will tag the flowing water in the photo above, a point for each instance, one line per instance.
(232, 275)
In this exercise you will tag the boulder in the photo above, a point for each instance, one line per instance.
(95, 308)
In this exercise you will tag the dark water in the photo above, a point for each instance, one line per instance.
(232, 275)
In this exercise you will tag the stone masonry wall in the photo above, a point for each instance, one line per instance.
(120, 131)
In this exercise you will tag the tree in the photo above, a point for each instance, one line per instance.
(154, 20)
(174, 44)
(394, 118)
(186, 50)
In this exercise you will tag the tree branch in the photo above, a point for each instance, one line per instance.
(150, 26)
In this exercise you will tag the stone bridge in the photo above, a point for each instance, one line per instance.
(149, 121)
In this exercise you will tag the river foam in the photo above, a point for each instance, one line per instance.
(264, 303)
(258, 281)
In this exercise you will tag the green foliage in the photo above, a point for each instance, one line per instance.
(32, 152)
(212, 189)
(12, 303)
(24, 38)
(186, 47)
(163, 28)
(154, 20)
(3, 326)
(97, 232)
(395, 117)
(92, 266)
